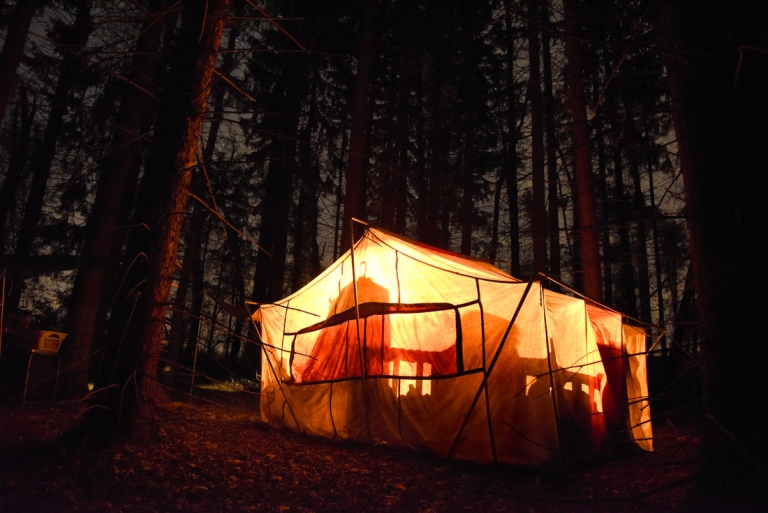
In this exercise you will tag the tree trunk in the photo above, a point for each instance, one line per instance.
(582, 163)
(21, 136)
(627, 300)
(493, 248)
(467, 201)
(192, 269)
(575, 247)
(13, 49)
(605, 229)
(354, 199)
(436, 223)
(305, 220)
(538, 208)
(510, 155)
(422, 185)
(339, 199)
(197, 282)
(275, 207)
(276, 203)
(111, 209)
(401, 146)
(719, 111)
(684, 316)
(387, 177)
(656, 256)
(138, 319)
(553, 198)
(641, 234)
(72, 42)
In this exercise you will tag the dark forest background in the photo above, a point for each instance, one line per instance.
(607, 143)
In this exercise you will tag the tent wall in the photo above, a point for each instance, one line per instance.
(427, 414)
(609, 336)
(579, 376)
(431, 324)
(636, 375)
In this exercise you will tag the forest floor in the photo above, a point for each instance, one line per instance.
(211, 458)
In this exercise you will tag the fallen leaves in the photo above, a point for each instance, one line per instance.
(219, 460)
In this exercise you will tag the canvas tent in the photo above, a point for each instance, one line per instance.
(440, 352)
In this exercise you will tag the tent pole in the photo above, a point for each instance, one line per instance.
(663, 332)
(277, 379)
(360, 351)
(551, 348)
(197, 342)
(487, 399)
(492, 365)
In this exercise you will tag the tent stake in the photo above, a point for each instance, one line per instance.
(492, 365)
(360, 353)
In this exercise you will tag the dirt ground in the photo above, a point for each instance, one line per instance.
(210, 458)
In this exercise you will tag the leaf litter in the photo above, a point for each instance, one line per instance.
(217, 459)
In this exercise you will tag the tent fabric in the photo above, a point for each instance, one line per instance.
(416, 370)
(636, 374)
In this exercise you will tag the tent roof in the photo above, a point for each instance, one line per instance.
(442, 259)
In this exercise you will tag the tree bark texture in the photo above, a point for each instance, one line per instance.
(605, 229)
(305, 219)
(191, 265)
(553, 198)
(138, 324)
(657, 257)
(354, 199)
(582, 163)
(511, 157)
(466, 203)
(493, 246)
(402, 140)
(185, 118)
(538, 208)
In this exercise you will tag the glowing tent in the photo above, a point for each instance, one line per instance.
(437, 351)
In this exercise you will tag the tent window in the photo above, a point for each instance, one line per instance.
(409, 342)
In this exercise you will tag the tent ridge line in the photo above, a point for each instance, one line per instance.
(409, 240)
(267, 305)
(470, 258)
